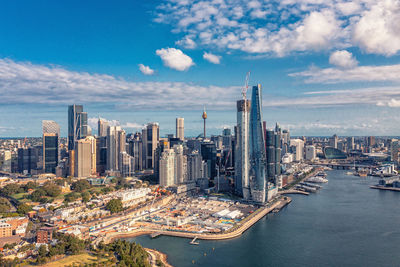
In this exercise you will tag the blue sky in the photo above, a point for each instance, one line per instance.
(325, 66)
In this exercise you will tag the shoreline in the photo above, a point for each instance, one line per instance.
(248, 222)
(159, 255)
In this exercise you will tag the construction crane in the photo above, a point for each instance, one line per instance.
(246, 85)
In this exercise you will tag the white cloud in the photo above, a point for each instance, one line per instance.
(175, 59)
(387, 73)
(24, 82)
(393, 103)
(146, 69)
(132, 125)
(280, 27)
(212, 58)
(343, 59)
(187, 43)
(378, 29)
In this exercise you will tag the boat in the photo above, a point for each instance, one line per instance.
(362, 172)
(349, 173)
(316, 179)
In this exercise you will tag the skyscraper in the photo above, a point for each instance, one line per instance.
(180, 133)
(51, 133)
(242, 160)
(150, 137)
(194, 166)
(168, 168)
(83, 158)
(102, 126)
(181, 163)
(115, 145)
(257, 148)
(77, 124)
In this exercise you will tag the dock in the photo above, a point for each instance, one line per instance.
(293, 191)
(385, 188)
(193, 242)
(154, 235)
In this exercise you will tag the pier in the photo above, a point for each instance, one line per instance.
(193, 242)
(293, 191)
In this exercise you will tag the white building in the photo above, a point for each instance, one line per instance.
(180, 133)
(297, 147)
(311, 153)
(115, 145)
(181, 162)
(168, 168)
(194, 166)
(132, 196)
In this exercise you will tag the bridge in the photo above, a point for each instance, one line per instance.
(346, 166)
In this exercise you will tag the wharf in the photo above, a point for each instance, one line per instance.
(293, 191)
(385, 188)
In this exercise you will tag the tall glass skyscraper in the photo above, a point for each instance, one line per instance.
(51, 133)
(257, 148)
(77, 124)
(242, 160)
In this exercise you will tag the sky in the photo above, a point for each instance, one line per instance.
(325, 66)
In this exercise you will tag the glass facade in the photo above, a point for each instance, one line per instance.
(257, 148)
(50, 153)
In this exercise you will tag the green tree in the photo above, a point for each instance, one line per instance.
(71, 197)
(30, 185)
(114, 205)
(11, 189)
(24, 209)
(80, 185)
(86, 196)
(5, 205)
(51, 189)
(38, 194)
(42, 251)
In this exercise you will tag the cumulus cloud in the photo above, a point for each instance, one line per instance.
(281, 27)
(393, 103)
(342, 59)
(212, 58)
(175, 59)
(378, 29)
(24, 82)
(186, 42)
(386, 73)
(146, 69)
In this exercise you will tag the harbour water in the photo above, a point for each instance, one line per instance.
(344, 224)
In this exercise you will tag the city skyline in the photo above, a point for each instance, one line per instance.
(320, 71)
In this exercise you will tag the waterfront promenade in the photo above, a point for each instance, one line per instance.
(237, 231)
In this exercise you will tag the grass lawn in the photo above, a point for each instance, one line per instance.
(21, 197)
(78, 260)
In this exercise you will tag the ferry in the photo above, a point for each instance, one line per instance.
(316, 179)
(362, 173)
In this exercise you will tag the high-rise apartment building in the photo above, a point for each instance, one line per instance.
(181, 163)
(150, 137)
(297, 148)
(77, 124)
(168, 168)
(258, 184)
(333, 141)
(180, 130)
(242, 156)
(273, 153)
(350, 143)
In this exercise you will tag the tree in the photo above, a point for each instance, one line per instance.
(11, 189)
(80, 186)
(51, 189)
(30, 185)
(114, 205)
(5, 205)
(42, 251)
(24, 209)
(86, 196)
(71, 197)
(38, 194)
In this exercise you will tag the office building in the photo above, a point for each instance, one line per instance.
(116, 139)
(5, 160)
(163, 144)
(83, 158)
(126, 164)
(273, 154)
(333, 141)
(395, 150)
(350, 143)
(242, 160)
(209, 155)
(180, 133)
(194, 166)
(77, 124)
(258, 186)
(135, 149)
(297, 148)
(168, 168)
(150, 138)
(101, 154)
(102, 126)
(27, 159)
(311, 153)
